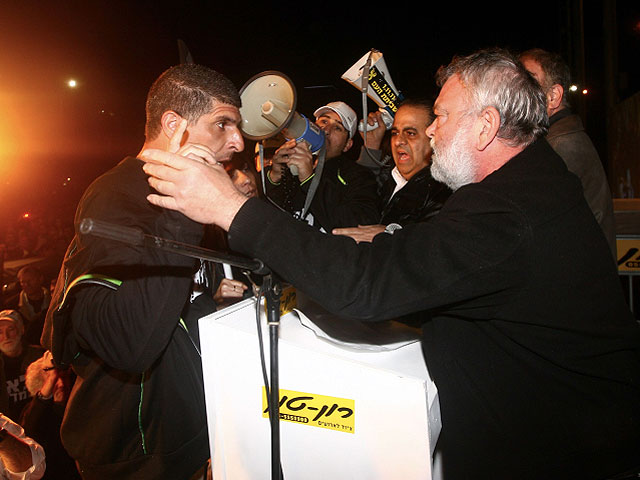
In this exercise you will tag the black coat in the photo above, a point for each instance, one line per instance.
(346, 195)
(420, 199)
(531, 344)
(137, 406)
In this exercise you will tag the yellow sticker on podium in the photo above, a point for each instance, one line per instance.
(314, 410)
(288, 300)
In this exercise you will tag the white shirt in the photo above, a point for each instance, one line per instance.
(399, 179)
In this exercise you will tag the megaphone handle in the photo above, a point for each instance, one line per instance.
(365, 114)
(315, 181)
(288, 188)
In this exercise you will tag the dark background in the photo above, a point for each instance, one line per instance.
(54, 140)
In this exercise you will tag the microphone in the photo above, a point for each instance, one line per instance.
(119, 233)
(134, 236)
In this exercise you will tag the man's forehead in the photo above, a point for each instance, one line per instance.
(331, 115)
(451, 95)
(410, 116)
(224, 111)
(534, 68)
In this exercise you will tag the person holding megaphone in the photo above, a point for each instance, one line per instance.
(346, 192)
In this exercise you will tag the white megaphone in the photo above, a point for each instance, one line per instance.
(269, 107)
(376, 84)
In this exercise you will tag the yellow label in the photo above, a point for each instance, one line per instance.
(628, 254)
(287, 300)
(384, 91)
(314, 410)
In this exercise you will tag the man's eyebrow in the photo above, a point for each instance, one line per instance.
(439, 107)
(227, 119)
(339, 122)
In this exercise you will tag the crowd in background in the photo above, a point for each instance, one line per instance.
(389, 187)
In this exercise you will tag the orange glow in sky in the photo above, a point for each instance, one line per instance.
(53, 86)
(8, 120)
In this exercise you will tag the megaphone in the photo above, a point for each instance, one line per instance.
(376, 84)
(269, 107)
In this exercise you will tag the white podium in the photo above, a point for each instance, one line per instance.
(349, 409)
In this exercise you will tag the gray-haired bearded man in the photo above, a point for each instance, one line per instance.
(530, 342)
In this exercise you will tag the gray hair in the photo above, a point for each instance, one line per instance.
(495, 78)
(34, 376)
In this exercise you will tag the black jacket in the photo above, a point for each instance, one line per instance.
(346, 195)
(41, 421)
(30, 353)
(421, 198)
(137, 406)
(531, 344)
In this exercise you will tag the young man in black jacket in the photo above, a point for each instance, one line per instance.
(121, 314)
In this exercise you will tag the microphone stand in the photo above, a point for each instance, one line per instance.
(272, 295)
(273, 292)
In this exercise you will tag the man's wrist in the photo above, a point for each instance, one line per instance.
(373, 143)
(271, 180)
(231, 208)
(302, 182)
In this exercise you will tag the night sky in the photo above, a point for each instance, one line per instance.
(115, 49)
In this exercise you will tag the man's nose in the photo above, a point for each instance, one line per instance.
(431, 129)
(400, 139)
(236, 142)
(326, 126)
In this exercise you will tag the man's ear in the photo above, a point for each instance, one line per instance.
(169, 122)
(488, 126)
(554, 97)
(347, 145)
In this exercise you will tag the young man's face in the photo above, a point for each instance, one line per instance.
(219, 131)
(243, 178)
(337, 136)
